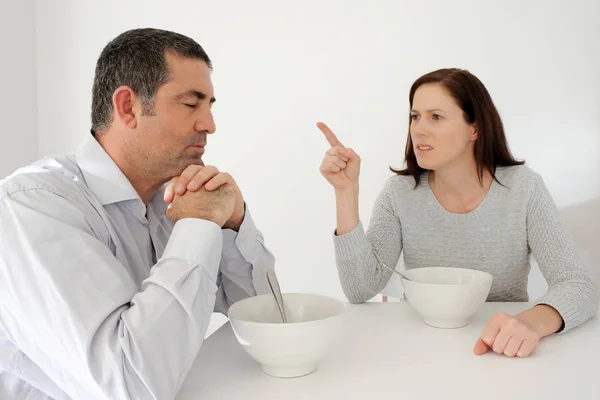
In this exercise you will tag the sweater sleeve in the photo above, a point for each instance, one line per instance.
(571, 290)
(358, 253)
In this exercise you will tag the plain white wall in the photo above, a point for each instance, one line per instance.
(282, 66)
(18, 103)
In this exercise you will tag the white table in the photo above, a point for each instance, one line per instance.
(388, 353)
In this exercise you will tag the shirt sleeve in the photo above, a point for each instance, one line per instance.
(72, 308)
(244, 265)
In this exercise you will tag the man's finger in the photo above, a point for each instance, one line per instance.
(169, 195)
(217, 181)
(329, 135)
(184, 179)
(203, 176)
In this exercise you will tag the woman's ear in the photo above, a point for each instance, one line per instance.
(474, 133)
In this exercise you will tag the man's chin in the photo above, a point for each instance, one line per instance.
(194, 161)
(185, 162)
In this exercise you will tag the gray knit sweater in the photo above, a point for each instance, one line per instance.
(516, 219)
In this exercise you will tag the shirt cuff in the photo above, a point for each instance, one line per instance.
(198, 241)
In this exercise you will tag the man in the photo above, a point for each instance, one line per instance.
(113, 259)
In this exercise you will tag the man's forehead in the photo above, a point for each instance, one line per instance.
(182, 84)
(189, 69)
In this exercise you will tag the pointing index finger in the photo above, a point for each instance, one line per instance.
(329, 135)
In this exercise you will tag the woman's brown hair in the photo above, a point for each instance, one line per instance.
(491, 147)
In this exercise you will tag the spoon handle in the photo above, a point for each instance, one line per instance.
(393, 270)
(274, 284)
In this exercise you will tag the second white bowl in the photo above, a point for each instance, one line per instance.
(446, 297)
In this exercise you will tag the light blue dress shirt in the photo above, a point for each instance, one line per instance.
(102, 297)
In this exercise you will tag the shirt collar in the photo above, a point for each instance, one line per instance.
(102, 175)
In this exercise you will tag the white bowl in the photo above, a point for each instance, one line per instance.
(446, 297)
(293, 349)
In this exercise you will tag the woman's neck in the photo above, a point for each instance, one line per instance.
(458, 188)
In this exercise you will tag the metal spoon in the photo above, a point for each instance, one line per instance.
(399, 273)
(274, 284)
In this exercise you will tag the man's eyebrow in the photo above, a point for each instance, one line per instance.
(193, 93)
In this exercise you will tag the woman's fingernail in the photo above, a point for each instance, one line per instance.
(167, 194)
(487, 341)
(179, 188)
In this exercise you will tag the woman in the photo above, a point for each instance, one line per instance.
(462, 200)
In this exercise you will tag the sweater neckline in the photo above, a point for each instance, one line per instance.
(440, 211)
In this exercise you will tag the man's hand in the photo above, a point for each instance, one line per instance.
(195, 177)
(216, 205)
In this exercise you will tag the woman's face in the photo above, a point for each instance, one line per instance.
(439, 133)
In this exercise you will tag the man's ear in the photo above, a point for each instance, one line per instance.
(125, 111)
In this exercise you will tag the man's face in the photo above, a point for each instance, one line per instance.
(174, 135)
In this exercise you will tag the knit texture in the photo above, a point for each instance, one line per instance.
(517, 218)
